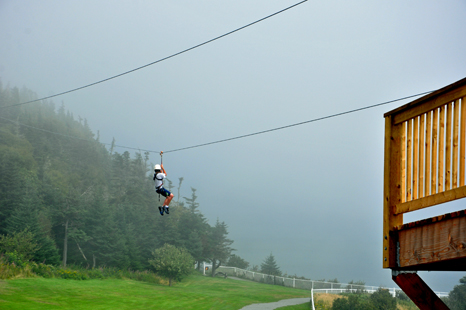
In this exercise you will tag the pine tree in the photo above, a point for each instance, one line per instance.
(269, 266)
(219, 245)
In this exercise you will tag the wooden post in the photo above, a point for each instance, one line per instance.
(427, 153)
(421, 156)
(434, 144)
(456, 124)
(419, 292)
(463, 142)
(416, 158)
(392, 189)
(441, 150)
(409, 160)
(448, 147)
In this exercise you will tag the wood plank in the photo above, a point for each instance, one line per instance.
(433, 174)
(409, 152)
(416, 158)
(448, 145)
(463, 142)
(392, 191)
(433, 242)
(419, 292)
(431, 220)
(441, 150)
(454, 86)
(421, 154)
(403, 161)
(387, 259)
(432, 200)
(427, 152)
(428, 105)
(456, 124)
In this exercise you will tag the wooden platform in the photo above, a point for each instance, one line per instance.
(438, 243)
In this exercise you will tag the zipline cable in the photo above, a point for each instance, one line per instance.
(296, 124)
(74, 137)
(228, 139)
(157, 61)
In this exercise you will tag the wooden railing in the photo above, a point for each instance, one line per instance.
(433, 151)
(425, 157)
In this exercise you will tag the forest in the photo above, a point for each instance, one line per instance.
(83, 203)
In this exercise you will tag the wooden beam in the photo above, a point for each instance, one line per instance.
(432, 200)
(392, 190)
(419, 292)
(427, 98)
(428, 105)
(439, 239)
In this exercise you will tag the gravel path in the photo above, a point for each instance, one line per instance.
(274, 305)
(278, 304)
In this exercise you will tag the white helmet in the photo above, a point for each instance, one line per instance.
(157, 167)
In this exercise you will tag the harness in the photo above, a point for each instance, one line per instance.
(158, 187)
(155, 177)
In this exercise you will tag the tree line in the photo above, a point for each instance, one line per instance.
(77, 202)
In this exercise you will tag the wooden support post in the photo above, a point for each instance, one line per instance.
(419, 292)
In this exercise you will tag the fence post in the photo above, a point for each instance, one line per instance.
(294, 282)
(203, 268)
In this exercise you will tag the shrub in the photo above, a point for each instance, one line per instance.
(71, 274)
(172, 262)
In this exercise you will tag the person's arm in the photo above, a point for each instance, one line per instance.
(163, 169)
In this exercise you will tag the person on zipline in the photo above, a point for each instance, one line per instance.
(159, 175)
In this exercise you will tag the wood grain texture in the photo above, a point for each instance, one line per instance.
(440, 239)
(419, 292)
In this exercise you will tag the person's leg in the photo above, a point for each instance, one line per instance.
(168, 200)
(162, 191)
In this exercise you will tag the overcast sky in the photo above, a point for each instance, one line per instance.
(311, 194)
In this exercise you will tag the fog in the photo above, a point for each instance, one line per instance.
(309, 194)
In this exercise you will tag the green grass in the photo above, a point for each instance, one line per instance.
(195, 292)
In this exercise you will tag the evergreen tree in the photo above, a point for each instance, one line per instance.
(194, 230)
(84, 204)
(269, 266)
(219, 245)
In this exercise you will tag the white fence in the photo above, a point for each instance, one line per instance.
(315, 286)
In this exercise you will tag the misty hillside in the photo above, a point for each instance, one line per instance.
(85, 204)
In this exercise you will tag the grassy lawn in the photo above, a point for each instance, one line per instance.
(195, 292)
